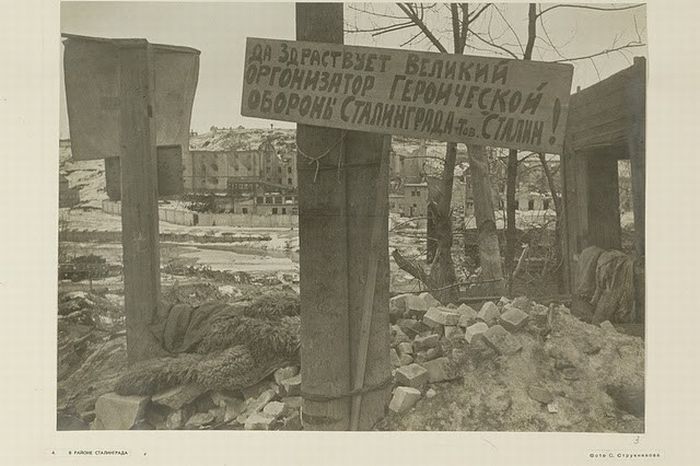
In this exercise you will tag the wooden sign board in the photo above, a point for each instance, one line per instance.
(491, 101)
(91, 70)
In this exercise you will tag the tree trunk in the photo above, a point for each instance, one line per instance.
(511, 231)
(442, 269)
(558, 209)
(512, 176)
(482, 194)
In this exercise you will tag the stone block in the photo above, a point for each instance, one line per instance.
(117, 412)
(412, 375)
(284, 373)
(512, 318)
(177, 397)
(254, 391)
(398, 336)
(404, 399)
(200, 420)
(501, 340)
(523, 303)
(176, 419)
(292, 386)
(474, 330)
(429, 300)
(409, 326)
(439, 370)
(423, 343)
(405, 359)
(405, 348)
(466, 313)
(264, 398)
(453, 332)
(274, 409)
(437, 316)
(231, 405)
(397, 307)
(259, 421)
(415, 304)
(489, 313)
(394, 356)
(432, 353)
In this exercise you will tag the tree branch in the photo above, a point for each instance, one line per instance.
(590, 7)
(515, 34)
(531, 31)
(411, 14)
(629, 45)
(478, 13)
(494, 45)
(412, 268)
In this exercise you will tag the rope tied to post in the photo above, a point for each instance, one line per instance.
(366, 389)
(317, 159)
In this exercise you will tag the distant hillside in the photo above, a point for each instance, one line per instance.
(243, 139)
(88, 176)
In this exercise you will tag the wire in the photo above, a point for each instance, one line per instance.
(317, 159)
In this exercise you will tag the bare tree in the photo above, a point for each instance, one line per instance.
(442, 277)
(465, 33)
(535, 14)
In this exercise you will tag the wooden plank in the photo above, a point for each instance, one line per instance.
(323, 261)
(139, 199)
(377, 250)
(604, 228)
(611, 134)
(600, 90)
(583, 118)
(457, 98)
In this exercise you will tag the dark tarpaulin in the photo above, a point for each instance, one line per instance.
(91, 69)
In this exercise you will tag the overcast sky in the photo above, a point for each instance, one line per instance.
(219, 30)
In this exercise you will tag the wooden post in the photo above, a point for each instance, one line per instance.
(139, 195)
(335, 217)
(637, 151)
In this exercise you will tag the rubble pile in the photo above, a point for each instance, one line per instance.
(511, 366)
(272, 404)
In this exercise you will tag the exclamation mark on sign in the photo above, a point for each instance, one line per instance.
(555, 119)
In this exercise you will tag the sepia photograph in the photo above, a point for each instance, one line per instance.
(351, 217)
